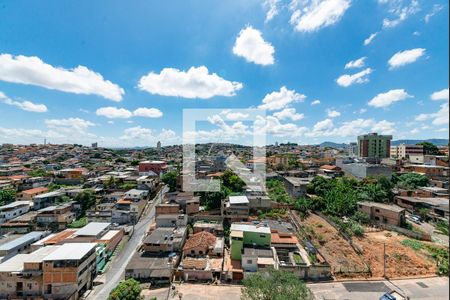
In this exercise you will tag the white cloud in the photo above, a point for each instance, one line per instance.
(402, 58)
(148, 112)
(436, 8)
(440, 95)
(439, 118)
(400, 11)
(195, 83)
(370, 38)
(312, 15)
(315, 102)
(386, 99)
(80, 80)
(361, 77)
(271, 125)
(324, 125)
(362, 110)
(352, 128)
(122, 113)
(70, 129)
(250, 45)
(281, 99)
(138, 133)
(234, 116)
(358, 63)
(23, 105)
(272, 9)
(288, 113)
(333, 113)
(114, 112)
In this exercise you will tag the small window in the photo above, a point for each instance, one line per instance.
(377, 210)
(249, 261)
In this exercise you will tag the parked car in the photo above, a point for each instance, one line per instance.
(415, 219)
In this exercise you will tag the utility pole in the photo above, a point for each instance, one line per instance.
(384, 260)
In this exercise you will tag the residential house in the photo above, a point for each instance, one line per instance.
(383, 213)
(235, 208)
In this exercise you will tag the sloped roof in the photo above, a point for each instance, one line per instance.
(202, 239)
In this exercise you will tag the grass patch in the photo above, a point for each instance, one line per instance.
(442, 227)
(413, 244)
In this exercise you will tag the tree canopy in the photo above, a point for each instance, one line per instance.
(232, 181)
(126, 290)
(86, 199)
(7, 196)
(170, 178)
(411, 180)
(274, 285)
(429, 148)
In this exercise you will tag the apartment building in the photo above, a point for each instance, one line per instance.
(412, 152)
(155, 166)
(69, 271)
(235, 208)
(374, 146)
(28, 195)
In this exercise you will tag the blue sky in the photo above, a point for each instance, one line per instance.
(121, 74)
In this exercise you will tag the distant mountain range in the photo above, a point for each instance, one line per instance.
(437, 142)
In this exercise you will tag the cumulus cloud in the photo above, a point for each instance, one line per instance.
(439, 118)
(195, 83)
(326, 124)
(388, 98)
(148, 112)
(234, 116)
(272, 125)
(402, 58)
(288, 113)
(370, 38)
(358, 63)
(347, 80)
(312, 15)
(440, 95)
(400, 11)
(352, 128)
(122, 113)
(23, 105)
(333, 113)
(139, 135)
(250, 45)
(80, 80)
(114, 112)
(281, 99)
(315, 102)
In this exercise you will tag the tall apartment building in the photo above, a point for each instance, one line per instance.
(374, 146)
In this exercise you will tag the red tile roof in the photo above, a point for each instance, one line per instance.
(201, 239)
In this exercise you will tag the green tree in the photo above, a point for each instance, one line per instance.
(274, 285)
(7, 196)
(126, 290)
(423, 213)
(373, 192)
(212, 200)
(121, 160)
(170, 178)
(342, 198)
(39, 173)
(429, 148)
(232, 181)
(412, 180)
(86, 199)
(134, 163)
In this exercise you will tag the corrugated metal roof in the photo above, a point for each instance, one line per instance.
(93, 229)
(71, 251)
(29, 237)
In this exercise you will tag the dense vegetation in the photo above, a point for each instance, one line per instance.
(231, 184)
(410, 180)
(170, 178)
(439, 254)
(277, 192)
(126, 290)
(7, 196)
(86, 199)
(274, 285)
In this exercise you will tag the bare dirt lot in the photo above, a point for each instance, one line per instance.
(401, 261)
(344, 261)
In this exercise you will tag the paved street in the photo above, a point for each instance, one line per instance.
(115, 272)
(421, 289)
